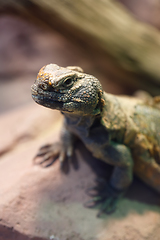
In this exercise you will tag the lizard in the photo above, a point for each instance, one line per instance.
(122, 131)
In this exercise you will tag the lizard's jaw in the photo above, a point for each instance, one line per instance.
(50, 100)
(78, 101)
(63, 106)
(47, 102)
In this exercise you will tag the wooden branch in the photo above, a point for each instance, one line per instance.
(135, 45)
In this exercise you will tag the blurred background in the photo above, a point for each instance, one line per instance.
(117, 41)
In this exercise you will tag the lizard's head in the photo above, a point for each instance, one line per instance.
(68, 90)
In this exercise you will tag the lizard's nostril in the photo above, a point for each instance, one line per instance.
(44, 86)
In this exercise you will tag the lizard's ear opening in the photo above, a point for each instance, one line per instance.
(100, 103)
(75, 68)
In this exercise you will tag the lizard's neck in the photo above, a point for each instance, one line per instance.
(79, 124)
(79, 120)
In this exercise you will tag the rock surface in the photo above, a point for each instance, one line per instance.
(38, 203)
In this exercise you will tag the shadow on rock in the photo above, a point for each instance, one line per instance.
(138, 193)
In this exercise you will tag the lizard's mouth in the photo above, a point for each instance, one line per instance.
(40, 95)
(51, 103)
(46, 101)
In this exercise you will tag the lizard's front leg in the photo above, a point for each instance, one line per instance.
(108, 194)
(47, 154)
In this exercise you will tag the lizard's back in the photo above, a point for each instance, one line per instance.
(144, 119)
(143, 124)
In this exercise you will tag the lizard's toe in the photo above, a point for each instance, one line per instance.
(108, 206)
(106, 198)
(96, 190)
(47, 155)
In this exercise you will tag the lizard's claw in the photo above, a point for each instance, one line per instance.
(94, 191)
(106, 197)
(48, 154)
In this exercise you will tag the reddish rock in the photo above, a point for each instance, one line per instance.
(38, 203)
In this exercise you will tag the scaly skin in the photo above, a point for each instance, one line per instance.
(122, 131)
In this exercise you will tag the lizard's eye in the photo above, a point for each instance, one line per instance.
(67, 82)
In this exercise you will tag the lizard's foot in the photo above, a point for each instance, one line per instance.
(104, 196)
(49, 153)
